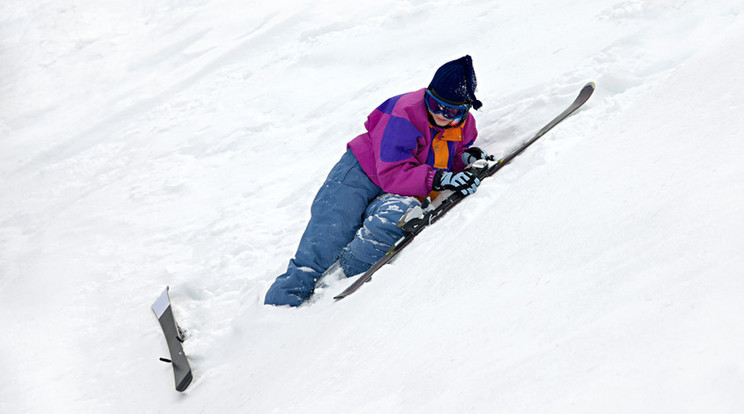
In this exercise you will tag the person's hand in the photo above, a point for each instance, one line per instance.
(464, 182)
(474, 154)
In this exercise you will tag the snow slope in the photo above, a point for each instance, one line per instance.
(181, 143)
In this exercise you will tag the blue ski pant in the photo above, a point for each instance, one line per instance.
(352, 221)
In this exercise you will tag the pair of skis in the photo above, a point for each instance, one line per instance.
(414, 226)
(174, 336)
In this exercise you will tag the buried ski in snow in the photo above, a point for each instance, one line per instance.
(173, 337)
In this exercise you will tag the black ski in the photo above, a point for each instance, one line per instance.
(414, 226)
(173, 337)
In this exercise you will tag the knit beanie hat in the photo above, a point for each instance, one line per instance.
(455, 82)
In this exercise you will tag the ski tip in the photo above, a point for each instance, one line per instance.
(586, 92)
(161, 304)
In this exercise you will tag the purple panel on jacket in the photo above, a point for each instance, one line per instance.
(399, 140)
(387, 106)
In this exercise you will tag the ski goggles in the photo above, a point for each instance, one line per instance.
(448, 110)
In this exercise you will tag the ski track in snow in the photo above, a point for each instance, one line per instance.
(181, 144)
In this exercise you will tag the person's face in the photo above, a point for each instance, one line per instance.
(440, 120)
(444, 113)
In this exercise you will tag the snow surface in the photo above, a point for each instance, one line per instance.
(181, 143)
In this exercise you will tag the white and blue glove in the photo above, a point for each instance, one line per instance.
(474, 154)
(464, 182)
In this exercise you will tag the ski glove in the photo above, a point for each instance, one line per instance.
(474, 154)
(464, 182)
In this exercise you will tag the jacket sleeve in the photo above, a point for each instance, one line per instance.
(396, 143)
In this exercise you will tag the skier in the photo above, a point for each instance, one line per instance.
(415, 145)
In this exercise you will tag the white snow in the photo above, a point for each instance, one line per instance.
(180, 143)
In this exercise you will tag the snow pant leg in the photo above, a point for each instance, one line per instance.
(378, 234)
(336, 215)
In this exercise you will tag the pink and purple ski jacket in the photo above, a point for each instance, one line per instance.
(401, 150)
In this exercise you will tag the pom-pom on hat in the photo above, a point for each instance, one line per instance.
(455, 82)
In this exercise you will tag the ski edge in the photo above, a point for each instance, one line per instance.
(366, 276)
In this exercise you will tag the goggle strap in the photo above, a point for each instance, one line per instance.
(443, 101)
